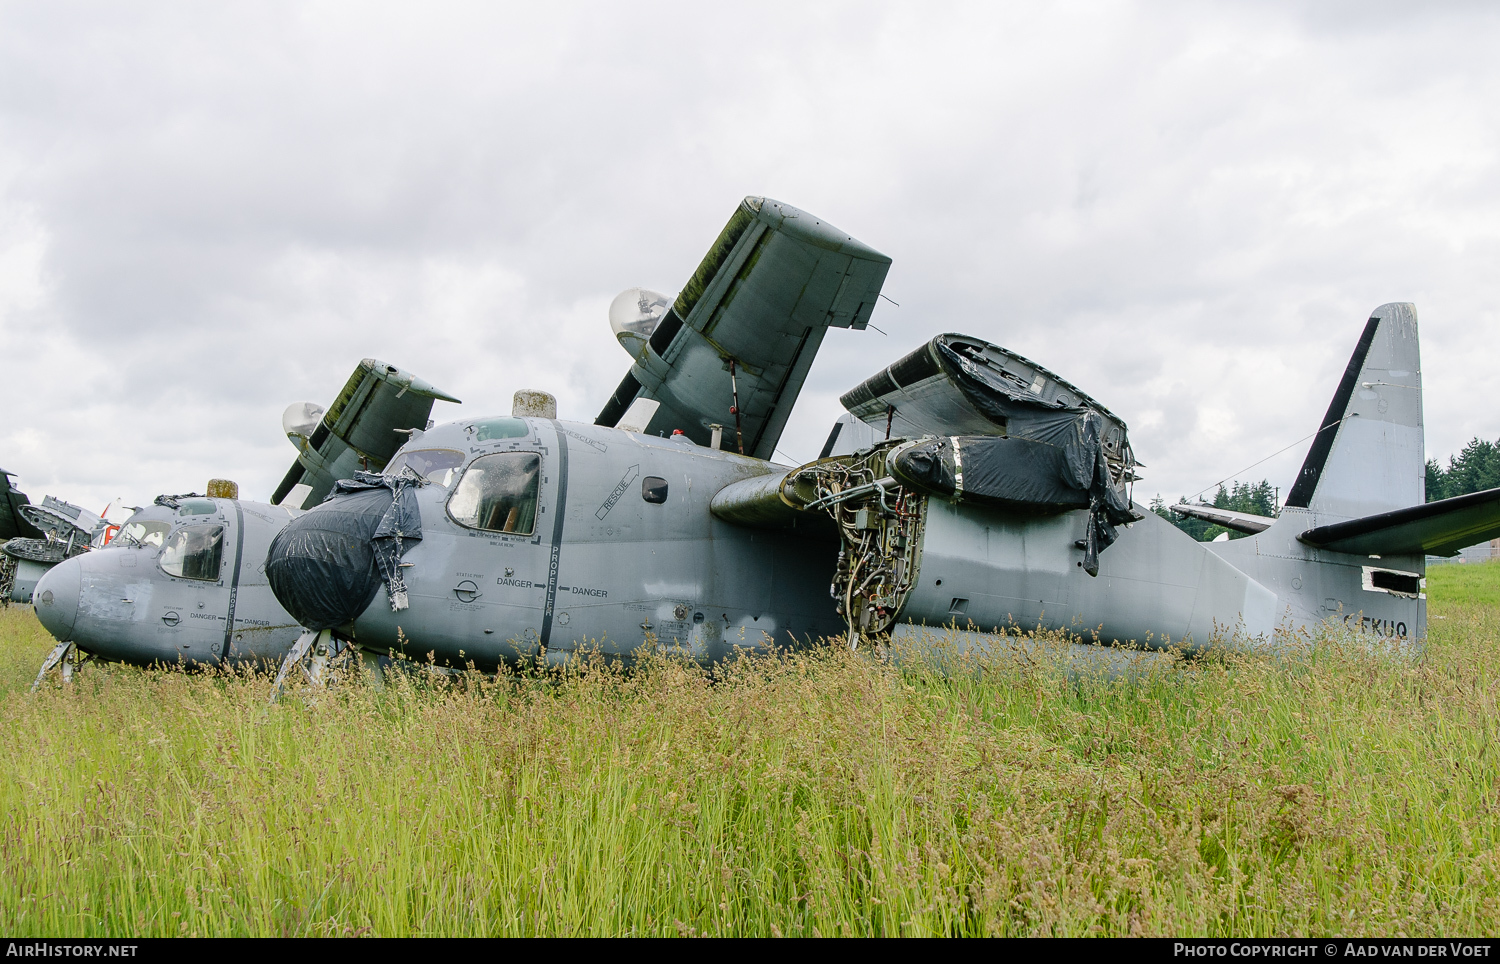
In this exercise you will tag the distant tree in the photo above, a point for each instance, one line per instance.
(1435, 481)
(1474, 469)
(1257, 499)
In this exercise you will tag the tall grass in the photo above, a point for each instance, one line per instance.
(822, 794)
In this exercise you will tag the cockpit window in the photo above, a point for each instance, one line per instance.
(142, 534)
(434, 465)
(193, 552)
(498, 493)
(496, 428)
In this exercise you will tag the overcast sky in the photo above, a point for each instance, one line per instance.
(208, 211)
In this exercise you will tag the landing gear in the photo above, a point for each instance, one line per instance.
(66, 655)
(311, 653)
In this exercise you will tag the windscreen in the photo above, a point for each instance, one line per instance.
(144, 533)
(498, 493)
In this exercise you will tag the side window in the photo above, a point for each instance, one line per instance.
(498, 493)
(654, 489)
(194, 552)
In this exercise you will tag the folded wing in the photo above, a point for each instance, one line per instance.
(371, 418)
(774, 282)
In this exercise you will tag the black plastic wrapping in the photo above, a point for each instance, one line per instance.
(1019, 411)
(1009, 473)
(958, 385)
(1026, 474)
(326, 566)
(175, 501)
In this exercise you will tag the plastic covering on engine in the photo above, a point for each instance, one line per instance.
(1024, 474)
(1008, 473)
(327, 565)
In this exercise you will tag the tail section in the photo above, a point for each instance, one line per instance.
(1348, 546)
(1368, 456)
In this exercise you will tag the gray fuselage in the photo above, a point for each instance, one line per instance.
(602, 568)
(122, 604)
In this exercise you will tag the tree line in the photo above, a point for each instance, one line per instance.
(1474, 469)
(1257, 499)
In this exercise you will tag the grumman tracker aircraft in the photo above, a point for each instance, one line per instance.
(968, 488)
(183, 581)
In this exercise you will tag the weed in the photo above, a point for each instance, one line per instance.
(818, 793)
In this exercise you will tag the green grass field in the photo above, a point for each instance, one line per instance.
(827, 794)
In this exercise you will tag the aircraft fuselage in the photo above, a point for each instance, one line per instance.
(621, 548)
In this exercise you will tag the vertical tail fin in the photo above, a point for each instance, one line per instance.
(1369, 453)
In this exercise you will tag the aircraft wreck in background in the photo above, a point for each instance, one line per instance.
(34, 538)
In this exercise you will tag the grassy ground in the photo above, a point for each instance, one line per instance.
(821, 795)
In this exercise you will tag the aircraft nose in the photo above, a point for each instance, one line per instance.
(322, 565)
(56, 597)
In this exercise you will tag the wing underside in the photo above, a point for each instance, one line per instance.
(751, 320)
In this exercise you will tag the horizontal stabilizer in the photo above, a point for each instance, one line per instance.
(371, 419)
(1246, 522)
(1439, 528)
(749, 322)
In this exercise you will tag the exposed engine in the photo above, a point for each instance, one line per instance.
(880, 525)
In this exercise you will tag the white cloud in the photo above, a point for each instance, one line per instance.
(1187, 210)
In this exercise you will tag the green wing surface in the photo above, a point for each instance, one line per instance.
(773, 283)
(362, 429)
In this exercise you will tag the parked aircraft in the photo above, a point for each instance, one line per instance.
(184, 581)
(967, 488)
